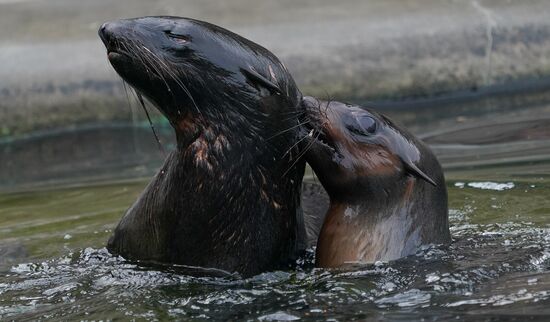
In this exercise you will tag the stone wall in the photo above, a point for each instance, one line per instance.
(54, 72)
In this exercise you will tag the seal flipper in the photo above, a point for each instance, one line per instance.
(255, 78)
(413, 170)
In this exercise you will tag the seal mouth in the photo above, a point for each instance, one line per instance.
(313, 122)
(317, 135)
(113, 55)
(113, 46)
(117, 54)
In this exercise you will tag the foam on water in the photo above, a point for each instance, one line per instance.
(487, 185)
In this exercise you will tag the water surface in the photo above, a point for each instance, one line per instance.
(54, 266)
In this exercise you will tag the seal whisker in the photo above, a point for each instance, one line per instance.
(174, 77)
(125, 47)
(149, 62)
(133, 115)
(152, 62)
(142, 102)
(310, 144)
(289, 116)
(158, 69)
(294, 116)
(288, 129)
(323, 111)
(126, 92)
(294, 145)
(295, 112)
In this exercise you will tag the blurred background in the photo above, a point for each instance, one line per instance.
(469, 77)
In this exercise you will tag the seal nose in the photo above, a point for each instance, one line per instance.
(104, 33)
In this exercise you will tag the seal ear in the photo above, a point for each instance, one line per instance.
(413, 169)
(257, 79)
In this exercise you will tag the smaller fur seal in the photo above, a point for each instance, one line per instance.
(387, 190)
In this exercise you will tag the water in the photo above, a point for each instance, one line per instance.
(54, 266)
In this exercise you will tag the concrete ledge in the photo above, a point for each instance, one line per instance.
(58, 75)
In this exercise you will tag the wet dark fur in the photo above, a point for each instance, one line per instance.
(228, 197)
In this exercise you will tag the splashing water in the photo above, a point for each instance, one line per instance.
(498, 265)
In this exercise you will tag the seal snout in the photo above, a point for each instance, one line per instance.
(108, 31)
(112, 34)
(104, 33)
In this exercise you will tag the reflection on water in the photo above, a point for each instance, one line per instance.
(492, 131)
(498, 264)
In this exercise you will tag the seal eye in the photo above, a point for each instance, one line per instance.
(180, 39)
(364, 125)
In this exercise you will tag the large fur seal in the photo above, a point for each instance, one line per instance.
(228, 197)
(387, 190)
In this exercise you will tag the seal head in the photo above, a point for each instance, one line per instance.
(386, 188)
(182, 64)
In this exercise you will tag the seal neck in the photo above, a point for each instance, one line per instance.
(384, 226)
(354, 233)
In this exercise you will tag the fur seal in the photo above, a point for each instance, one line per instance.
(387, 189)
(228, 196)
